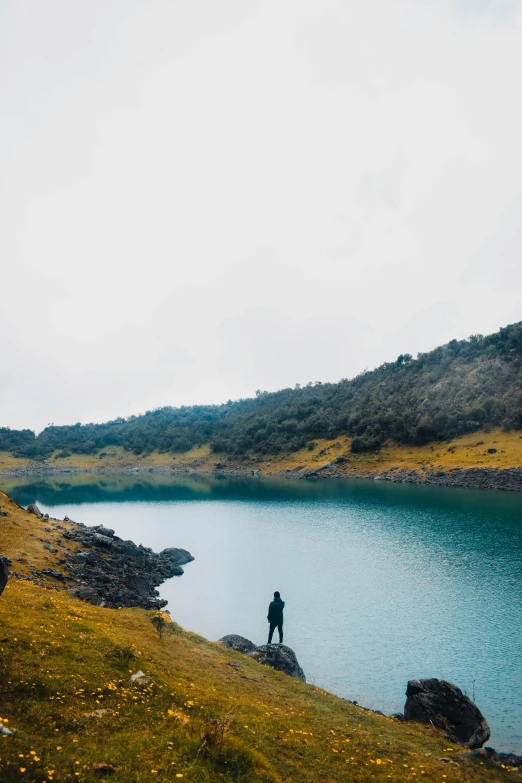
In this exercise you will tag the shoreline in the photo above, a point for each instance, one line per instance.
(498, 479)
(90, 563)
(507, 479)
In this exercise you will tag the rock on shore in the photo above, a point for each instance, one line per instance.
(238, 643)
(444, 705)
(278, 656)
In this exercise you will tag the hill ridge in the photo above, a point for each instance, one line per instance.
(461, 387)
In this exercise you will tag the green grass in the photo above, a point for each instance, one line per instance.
(199, 720)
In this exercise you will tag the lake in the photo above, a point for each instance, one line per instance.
(383, 582)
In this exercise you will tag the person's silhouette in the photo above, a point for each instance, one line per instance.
(275, 617)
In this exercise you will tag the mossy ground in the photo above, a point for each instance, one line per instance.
(210, 714)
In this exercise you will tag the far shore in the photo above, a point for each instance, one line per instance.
(479, 460)
(508, 479)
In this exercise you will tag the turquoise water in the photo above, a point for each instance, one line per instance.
(383, 583)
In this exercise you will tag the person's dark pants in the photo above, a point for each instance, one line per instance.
(279, 627)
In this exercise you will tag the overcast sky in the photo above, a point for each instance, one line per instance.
(199, 199)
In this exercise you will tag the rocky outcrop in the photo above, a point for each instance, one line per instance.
(278, 656)
(105, 570)
(108, 571)
(105, 531)
(102, 540)
(507, 479)
(5, 562)
(180, 556)
(444, 705)
(238, 643)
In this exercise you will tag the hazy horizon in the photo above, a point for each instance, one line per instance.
(201, 200)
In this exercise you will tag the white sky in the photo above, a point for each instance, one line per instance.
(199, 199)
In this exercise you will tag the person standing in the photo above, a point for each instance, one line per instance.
(275, 617)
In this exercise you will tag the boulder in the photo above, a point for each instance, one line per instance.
(54, 573)
(101, 540)
(444, 705)
(5, 562)
(175, 570)
(89, 594)
(179, 556)
(33, 509)
(239, 643)
(128, 548)
(137, 584)
(105, 531)
(279, 657)
(140, 679)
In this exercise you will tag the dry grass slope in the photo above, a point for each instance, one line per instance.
(468, 451)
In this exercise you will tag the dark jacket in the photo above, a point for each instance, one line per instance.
(275, 611)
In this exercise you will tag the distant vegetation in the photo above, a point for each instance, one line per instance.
(460, 387)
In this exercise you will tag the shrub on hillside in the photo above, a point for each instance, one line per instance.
(360, 445)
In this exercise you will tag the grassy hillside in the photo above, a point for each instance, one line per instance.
(209, 714)
(462, 387)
